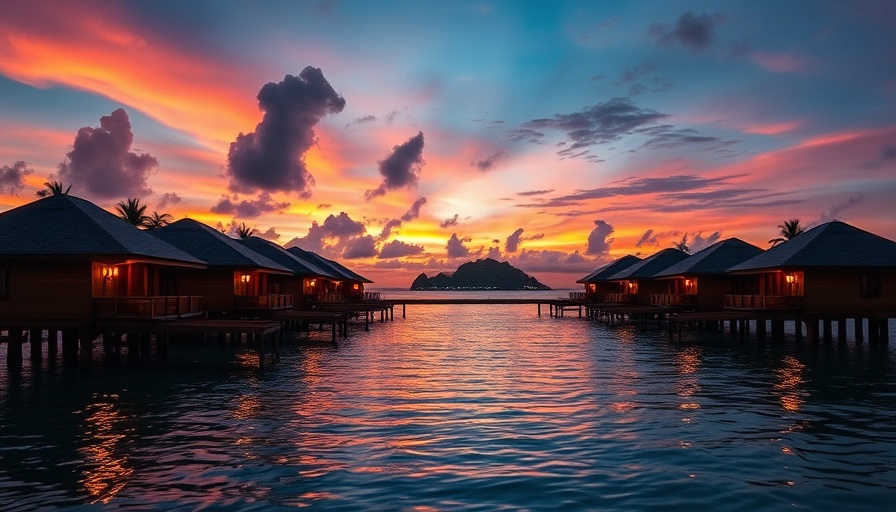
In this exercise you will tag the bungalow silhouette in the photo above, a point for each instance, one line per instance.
(832, 271)
(346, 285)
(66, 262)
(638, 282)
(237, 278)
(700, 281)
(305, 271)
(598, 285)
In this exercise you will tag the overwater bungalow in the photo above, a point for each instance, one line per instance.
(348, 285)
(307, 274)
(638, 282)
(597, 283)
(237, 280)
(66, 262)
(700, 282)
(833, 270)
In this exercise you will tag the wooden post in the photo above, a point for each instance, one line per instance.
(858, 329)
(732, 326)
(760, 330)
(873, 330)
(403, 305)
(14, 349)
(841, 330)
(108, 342)
(884, 330)
(85, 353)
(260, 352)
(34, 340)
(69, 345)
(777, 330)
(798, 329)
(52, 344)
(826, 333)
(812, 329)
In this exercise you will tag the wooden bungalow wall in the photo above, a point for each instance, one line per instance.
(214, 285)
(841, 293)
(42, 291)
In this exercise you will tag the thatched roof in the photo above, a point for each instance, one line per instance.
(650, 266)
(216, 248)
(832, 245)
(67, 226)
(606, 271)
(715, 259)
(283, 257)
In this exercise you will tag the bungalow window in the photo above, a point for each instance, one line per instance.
(4, 283)
(871, 285)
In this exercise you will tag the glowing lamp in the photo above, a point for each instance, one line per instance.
(687, 282)
(631, 285)
(313, 282)
(790, 278)
(355, 286)
(244, 278)
(110, 272)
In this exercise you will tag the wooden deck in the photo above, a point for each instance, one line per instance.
(338, 320)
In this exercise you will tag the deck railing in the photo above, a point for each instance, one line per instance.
(371, 295)
(763, 302)
(622, 297)
(265, 301)
(577, 296)
(672, 299)
(150, 308)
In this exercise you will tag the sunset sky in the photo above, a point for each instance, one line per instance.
(408, 137)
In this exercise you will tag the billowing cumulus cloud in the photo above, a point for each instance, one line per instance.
(494, 253)
(414, 211)
(272, 157)
(399, 249)
(101, 162)
(168, 199)
(271, 234)
(598, 240)
(401, 167)
(447, 223)
(489, 162)
(360, 247)
(695, 32)
(699, 242)
(247, 208)
(339, 234)
(456, 247)
(12, 177)
(388, 227)
(513, 241)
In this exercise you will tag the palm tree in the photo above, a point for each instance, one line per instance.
(132, 212)
(789, 229)
(244, 231)
(156, 221)
(683, 245)
(54, 188)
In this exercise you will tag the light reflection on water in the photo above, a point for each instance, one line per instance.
(460, 407)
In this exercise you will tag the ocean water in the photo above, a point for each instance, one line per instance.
(459, 407)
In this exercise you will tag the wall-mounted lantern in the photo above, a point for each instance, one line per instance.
(110, 273)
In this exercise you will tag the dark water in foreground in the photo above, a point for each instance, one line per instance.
(460, 408)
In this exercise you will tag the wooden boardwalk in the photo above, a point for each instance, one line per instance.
(556, 307)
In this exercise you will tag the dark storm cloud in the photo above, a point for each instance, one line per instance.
(12, 177)
(399, 249)
(360, 247)
(456, 247)
(489, 162)
(447, 223)
(271, 157)
(414, 211)
(168, 199)
(692, 31)
(513, 241)
(246, 208)
(102, 164)
(401, 167)
(598, 240)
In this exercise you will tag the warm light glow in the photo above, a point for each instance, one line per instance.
(110, 272)
(244, 278)
(687, 282)
(790, 278)
(355, 286)
(313, 282)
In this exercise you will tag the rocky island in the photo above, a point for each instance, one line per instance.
(484, 274)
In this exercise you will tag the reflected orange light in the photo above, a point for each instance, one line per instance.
(106, 469)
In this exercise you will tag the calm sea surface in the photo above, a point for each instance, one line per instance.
(460, 408)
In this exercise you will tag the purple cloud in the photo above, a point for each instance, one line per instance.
(12, 177)
(271, 157)
(447, 223)
(513, 241)
(414, 211)
(399, 249)
(248, 209)
(102, 164)
(456, 247)
(489, 162)
(168, 199)
(598, 240)
(692, 31)
(401, 167)
(360, 247)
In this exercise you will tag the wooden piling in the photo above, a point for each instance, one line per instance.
(34, 341)
(841, 330)
(858, 329)
(14, 349)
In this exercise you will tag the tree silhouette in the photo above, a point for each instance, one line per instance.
(54, 188)
(789, 229)
(244, 231)
(156, 221)
(682, 245)
(132, 212)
